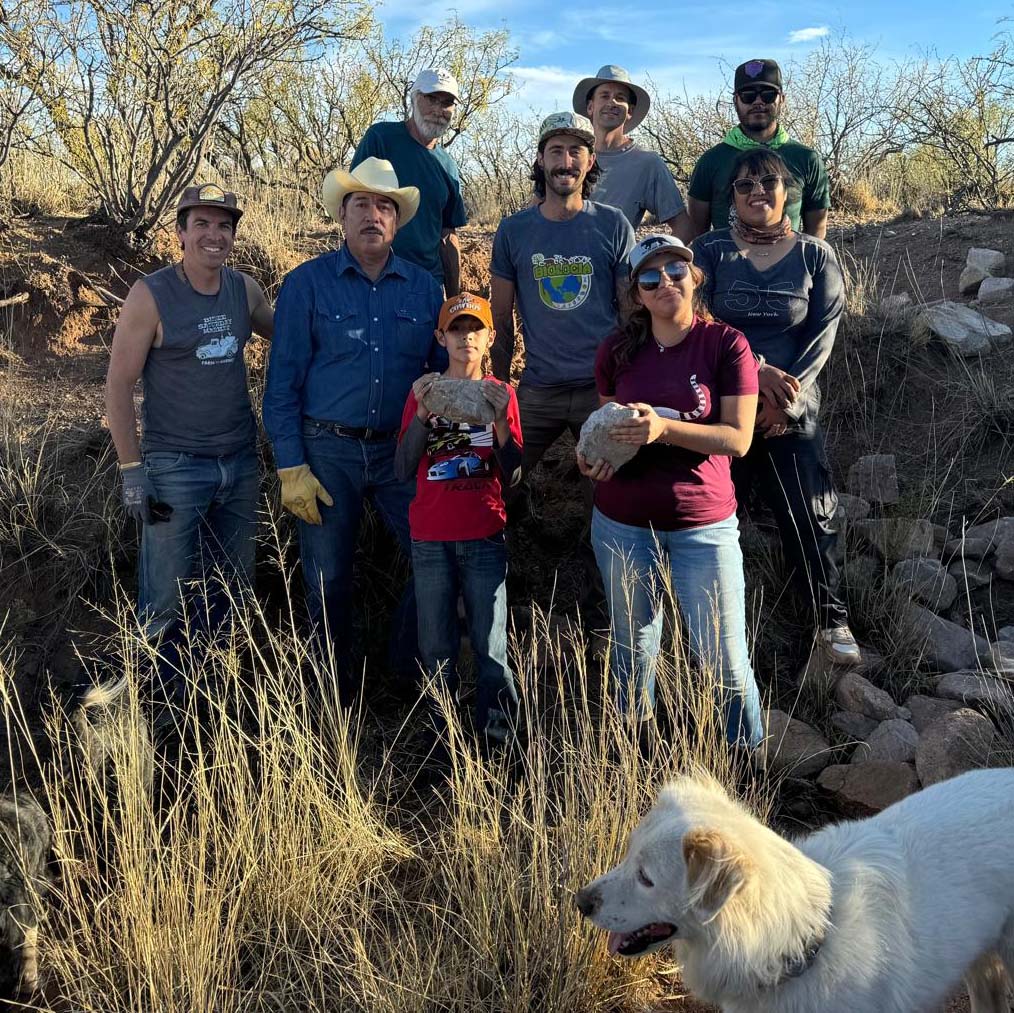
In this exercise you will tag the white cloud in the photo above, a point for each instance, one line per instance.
(809, 34)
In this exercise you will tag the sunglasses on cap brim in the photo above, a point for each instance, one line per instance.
(750, 95)
(650, 278)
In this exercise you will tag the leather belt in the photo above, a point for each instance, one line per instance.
(353, 432)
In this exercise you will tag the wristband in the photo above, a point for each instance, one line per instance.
(129, 465)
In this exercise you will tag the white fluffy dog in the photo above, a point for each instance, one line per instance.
(884, 915)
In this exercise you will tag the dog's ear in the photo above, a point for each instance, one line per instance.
(716, 871)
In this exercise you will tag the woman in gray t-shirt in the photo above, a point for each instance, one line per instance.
(783, 289)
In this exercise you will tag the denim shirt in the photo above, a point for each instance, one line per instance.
(347, 349)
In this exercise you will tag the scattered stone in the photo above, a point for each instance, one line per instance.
(1001, 659)
(926, 709)
(972, 687)
(1005, 633)
(945, 645)
(895, 305)
(793, 747)
(952, 745)
(857, 694)
(996, 531)
(961, 328)
(927, 581)
(974, 573)
(990, 262)
(894, 741)
(595, 441)
(864, 788)
(851, 508)
(940, 536)
(898, 538)
(855, 726)
(969, 548)
(874, 478)
(995, 290)
(970, 280)
(1003, 561)
(460, 401)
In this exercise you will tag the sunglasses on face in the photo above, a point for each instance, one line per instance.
(749, 95)
(768, 183)
(650, 279)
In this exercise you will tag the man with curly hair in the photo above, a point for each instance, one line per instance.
(562, 262)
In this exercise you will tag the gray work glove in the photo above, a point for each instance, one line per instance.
(138, 492)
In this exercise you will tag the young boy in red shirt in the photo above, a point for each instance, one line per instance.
(457, 518)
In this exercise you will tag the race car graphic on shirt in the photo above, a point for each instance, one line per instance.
(459, 466)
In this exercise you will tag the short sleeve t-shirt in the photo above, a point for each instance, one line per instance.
(663, 486)
(459, 487)
(565, 276)
(638, 183)
(435, 173)
(711, 181)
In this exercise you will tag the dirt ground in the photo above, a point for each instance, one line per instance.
(883, 393)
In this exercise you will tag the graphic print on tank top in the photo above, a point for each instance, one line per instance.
(219, 346)
(451, 450)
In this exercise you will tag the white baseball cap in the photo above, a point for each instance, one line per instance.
(651, 245)
(434, 79)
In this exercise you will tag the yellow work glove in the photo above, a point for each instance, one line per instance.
(300, 492)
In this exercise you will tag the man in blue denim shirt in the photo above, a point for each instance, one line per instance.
(354, 329)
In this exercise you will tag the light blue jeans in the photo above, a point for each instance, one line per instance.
(706, 568)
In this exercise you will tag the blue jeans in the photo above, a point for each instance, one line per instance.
(352, 471)
(477, 569)
(211, 531)
(706, 568)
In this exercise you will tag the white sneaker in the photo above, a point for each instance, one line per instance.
(840, 645)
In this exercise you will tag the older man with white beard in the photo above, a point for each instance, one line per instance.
(429, 240)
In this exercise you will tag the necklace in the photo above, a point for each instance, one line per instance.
(661, 347)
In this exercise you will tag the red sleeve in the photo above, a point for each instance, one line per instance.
(737, 367)
(514, 417)
(411, 407)
(605, 368)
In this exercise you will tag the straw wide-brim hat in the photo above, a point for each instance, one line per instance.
(372, 175)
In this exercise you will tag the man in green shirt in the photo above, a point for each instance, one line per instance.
(759, 100)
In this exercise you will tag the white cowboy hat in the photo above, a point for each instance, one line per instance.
(611, 74)
(372, 175)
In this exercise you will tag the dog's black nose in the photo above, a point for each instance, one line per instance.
(588, 901)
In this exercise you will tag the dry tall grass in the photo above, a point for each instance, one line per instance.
(282, 861)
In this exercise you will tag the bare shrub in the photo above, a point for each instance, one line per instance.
(135, 103)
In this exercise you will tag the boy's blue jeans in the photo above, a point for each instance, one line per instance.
(706, 568)
(477, 570)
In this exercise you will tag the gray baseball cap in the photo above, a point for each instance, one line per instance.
(567, 123)
(651, 245)
(611, 74)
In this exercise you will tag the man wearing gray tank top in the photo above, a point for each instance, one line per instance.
(191, 481)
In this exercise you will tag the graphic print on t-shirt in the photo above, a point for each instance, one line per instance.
(219, 346)
(449, 450)
(759, 300)
(698, 412)
(564, 282)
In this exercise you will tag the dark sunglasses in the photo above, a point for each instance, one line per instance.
(650, 279)
(768, 183)
(749, 95)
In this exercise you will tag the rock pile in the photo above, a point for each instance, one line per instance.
(880, 748)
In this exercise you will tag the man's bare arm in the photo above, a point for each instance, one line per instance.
(681, 227)
(262, 316)
(501, 298)
(699, 213)
(135, 333)
(815, 222)
(450, 258)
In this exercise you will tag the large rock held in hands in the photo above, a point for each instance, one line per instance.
(460, 401)
(595, 441)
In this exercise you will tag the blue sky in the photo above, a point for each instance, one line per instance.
(685, 46)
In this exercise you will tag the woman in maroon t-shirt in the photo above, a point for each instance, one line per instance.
(694, 385)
